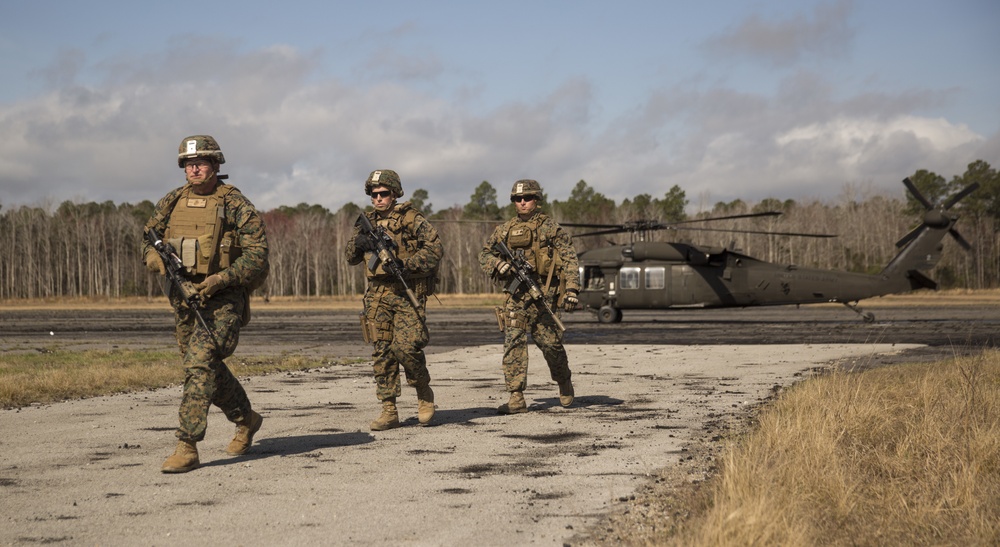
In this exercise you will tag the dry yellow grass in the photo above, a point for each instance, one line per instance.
(901, 455)
(32, 378)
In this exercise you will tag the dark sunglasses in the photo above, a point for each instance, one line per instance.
(515, 199)
(382, 194)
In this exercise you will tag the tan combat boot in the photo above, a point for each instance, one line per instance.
(566, 393)
(425, 406)
(184, 459)
(244, 434)
(515, 405)
(389, 417)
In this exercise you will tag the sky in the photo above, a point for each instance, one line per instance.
(726, 99)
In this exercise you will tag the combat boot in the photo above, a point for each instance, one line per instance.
(425, 406)
(244, 434)
(566, 393)
(389, 417)
(515, 405)
(184, 459)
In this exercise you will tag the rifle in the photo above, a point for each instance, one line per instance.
(522, 275)
(174, 267)
(384, 246)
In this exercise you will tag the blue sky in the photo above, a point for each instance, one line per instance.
(726, 99)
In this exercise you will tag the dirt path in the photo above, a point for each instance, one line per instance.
(87, 472)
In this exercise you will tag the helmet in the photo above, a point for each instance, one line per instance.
(199, 146)
(526, 187)
(384, 177)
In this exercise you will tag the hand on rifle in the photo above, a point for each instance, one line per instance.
(364, 242)
(396, 266)
(211, 285)
(570, 301)
(503, 267)
(155, 264)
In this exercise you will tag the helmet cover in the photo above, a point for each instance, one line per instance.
(199, 146)
(384, 177)
(526, 187)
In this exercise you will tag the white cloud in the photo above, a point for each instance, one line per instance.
(292, 136)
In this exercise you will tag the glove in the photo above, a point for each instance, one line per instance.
(570, 301)
(155, 264)
(211, 285)
(503, 267)
(365, 243)
(397, 265)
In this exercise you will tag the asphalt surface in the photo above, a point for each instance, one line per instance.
(276, 330)
(652, 392)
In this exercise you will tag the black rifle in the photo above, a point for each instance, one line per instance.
(521, 275)
(185, 288)
(383, 247)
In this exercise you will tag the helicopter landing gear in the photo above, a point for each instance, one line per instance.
(608, 314)
(866, 316)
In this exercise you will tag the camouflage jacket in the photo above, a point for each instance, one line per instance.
(242, 218)
(419, 246)
(550, 241)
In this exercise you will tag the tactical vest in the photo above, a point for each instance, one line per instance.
(402, 216)
(195, 229)
(539, 252)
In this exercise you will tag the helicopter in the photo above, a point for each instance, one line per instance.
(644, 275)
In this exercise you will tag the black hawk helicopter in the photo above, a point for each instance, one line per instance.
(645, 275)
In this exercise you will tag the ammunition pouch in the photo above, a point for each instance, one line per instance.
(187, 251)
(511, 320)
(424, 287)
(366, 333)
(374, 331)
(229, 250)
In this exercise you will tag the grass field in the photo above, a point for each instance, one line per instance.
(898, 455)
(52, 376)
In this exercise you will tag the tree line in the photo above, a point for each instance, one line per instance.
(93, 249)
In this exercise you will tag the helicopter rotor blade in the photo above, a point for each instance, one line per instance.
(916, 193)
(761, 232)
(731, 217)
(903, 241)
(618, 230)
(573, 225)
(958, 197)
(959, 239)
(642, 224)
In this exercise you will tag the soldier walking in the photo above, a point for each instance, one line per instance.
(553, 261)
(399, 282)
(220, 240)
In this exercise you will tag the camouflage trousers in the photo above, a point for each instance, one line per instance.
(207, 379)
(401, 337)
(528, 316)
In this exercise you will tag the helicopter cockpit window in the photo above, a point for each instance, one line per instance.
(629, 278)
(591, 277)
(655, 277)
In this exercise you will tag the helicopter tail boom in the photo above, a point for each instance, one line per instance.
(920, 249)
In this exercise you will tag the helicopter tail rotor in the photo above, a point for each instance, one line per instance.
(937, 216)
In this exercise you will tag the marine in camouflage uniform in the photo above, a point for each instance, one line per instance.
(222, 242)
(549, 251)
(390, 321)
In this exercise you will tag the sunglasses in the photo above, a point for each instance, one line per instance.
(516, 199)
(382, 194)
